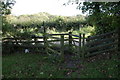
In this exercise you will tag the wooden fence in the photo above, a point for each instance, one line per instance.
(85, 46)
(45, 41)
(72, 39)
(101, 43)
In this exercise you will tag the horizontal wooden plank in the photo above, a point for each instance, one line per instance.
(103, 51)
(29, 42)
(56, 34)
(101, 46)
(7, 39)
(22, 41)
(56, 38)
(54, 51)
(100, 41)
(30, 46)
(75, 38)
(22, 38)
(75, 35)
(51, 43)
(38, 37)
(101, 35)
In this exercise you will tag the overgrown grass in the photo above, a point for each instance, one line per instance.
(40, 66)
(28, 66)
(102, 68)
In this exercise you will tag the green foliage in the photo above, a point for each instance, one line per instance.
(7, 29)
(5, 10)
(5, 6)
(31, 24)
(103, 15)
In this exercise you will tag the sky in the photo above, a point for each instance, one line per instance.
(54, 7)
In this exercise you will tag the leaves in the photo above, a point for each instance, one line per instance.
(101, 14)
(5, 6)
(24, 25)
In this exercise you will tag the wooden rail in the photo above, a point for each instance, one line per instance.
(101, 35)
(46, 39)
(56, 34)
(99, 52)
(85, 48)
(101, 46)
(101, 43)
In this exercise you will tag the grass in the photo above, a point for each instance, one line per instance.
(28, 66)
(103, 68)
(40, 66)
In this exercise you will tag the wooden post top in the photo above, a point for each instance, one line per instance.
(70, 32)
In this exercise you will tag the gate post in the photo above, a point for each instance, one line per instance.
(79, 49)
(87, 41)
(35, 39)
(62, 47)
(83, 47)
(83, 39)
(45, 39)
(70, 41)
(45, 43)
(16, 40)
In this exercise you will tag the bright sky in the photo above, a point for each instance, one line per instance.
(54, 7)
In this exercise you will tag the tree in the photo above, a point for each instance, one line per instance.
(104, 15)
(5, 8)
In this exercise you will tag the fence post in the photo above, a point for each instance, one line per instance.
(87, 41)
(83, 39)
(45, 43)
(16, 41)
(83, 45)
(45, 39)
(79, 50)
(70, 41)
(35, 39)
(62, 47)
(88, 38)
